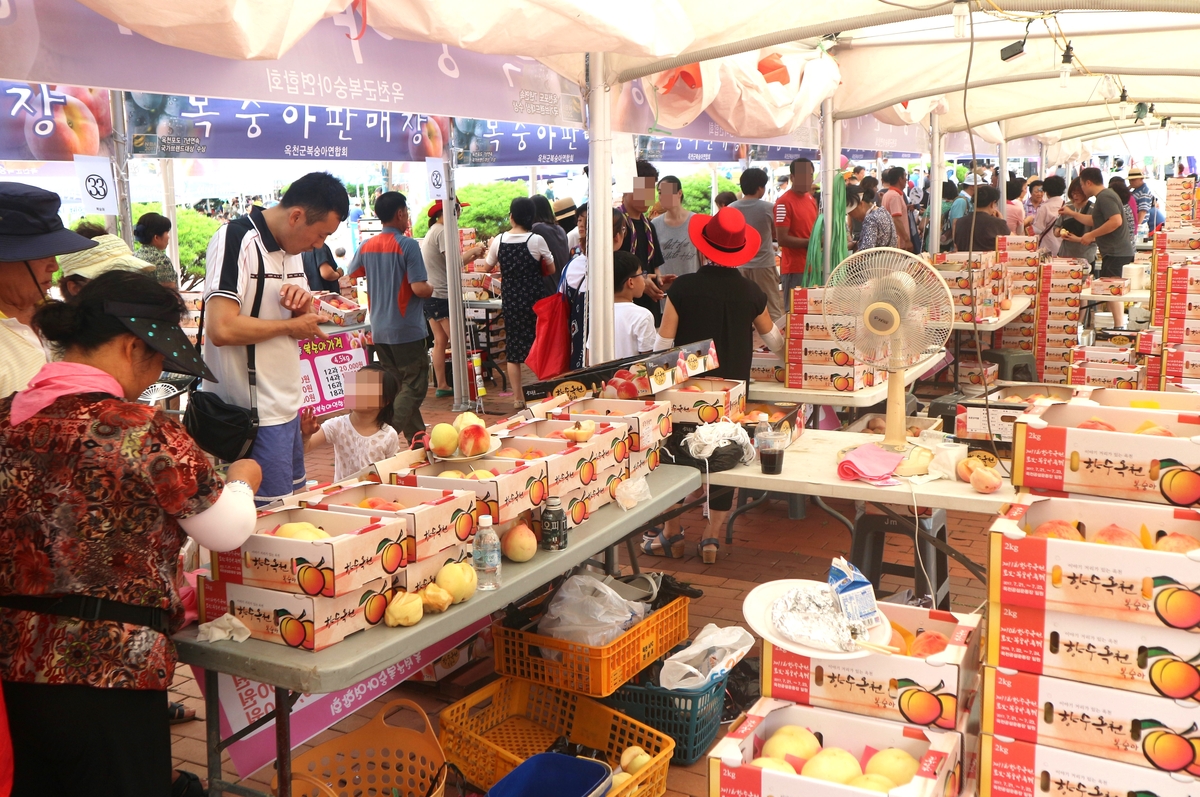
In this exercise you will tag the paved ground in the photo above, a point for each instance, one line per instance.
(767, 545)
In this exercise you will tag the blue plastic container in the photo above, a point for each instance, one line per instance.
(556, 774)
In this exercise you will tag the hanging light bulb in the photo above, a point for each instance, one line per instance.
(960, 19)
(1064, 70)
(1124, 104)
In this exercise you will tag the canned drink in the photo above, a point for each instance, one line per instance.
(554, 525)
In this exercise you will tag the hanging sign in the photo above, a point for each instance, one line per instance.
(437, 178)
(96, 184)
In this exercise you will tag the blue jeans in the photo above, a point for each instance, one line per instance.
(279, 451)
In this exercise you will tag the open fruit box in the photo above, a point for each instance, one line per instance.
(1005, 404)
(767, 367)
(649, 421)
(1137, 399)
(605, 448)
(306, 622)
(1052, 452)
(1093, 650)
(1010, 768)
(929, 690)
(435, 518)
(705, 400)
(1134, 729)
(874, 423)
(1111, 559)
(731, 775)
(785, 415)
(355, 552)
(518, 486)
(341, 311)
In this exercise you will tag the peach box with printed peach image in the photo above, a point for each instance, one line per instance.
(819, 352)
(1016, 243)
(581, 503)
(818, 327)
(927, 688)
(965, 279)
(1011, 768)
(533, 411)
(339, 309)
(1181, 330)
(842, 378)
(1067, 268)
(1058, 299)
(304, 622)
(767, 367)
(1093, 650)
(649, 420)
(520, 484)
(422, 573)
(1071, 448)
(435, 518)
(1055, 356)
(730, 773)
(1145, 731)
(1181, 361)
(1103, 355)
(642, 462)
(1127, 377)
(359, 549)
(964, 260)
(607, 448)
(1115, 560)
(702, 400)
(807, 300)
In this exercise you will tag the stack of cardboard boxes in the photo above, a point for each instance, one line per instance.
(1019, 258)
(1175, 261)
(817, 357)
(1180, 352)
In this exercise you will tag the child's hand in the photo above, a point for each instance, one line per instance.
(309, 425)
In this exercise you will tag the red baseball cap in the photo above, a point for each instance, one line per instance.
(436, 208)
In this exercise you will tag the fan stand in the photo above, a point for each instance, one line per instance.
(895, 436)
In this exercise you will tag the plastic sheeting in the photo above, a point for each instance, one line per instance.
(759, 105)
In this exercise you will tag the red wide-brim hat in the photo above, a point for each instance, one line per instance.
(725, 239)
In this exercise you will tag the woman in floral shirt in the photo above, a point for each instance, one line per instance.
(100, 493)
(877, 227)
(153, 233)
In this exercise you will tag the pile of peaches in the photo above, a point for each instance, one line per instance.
(798, 751)
(983, 479)
(1146, 427)
(1112, 534)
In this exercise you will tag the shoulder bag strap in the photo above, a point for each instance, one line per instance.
(251, 374)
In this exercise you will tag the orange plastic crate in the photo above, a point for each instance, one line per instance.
(593, 671)
(488, 733)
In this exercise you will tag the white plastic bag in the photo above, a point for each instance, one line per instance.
(632, 491)
(588, 611)
(711, 656)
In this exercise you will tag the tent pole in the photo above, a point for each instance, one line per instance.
(937, 175)
(121, 161)
(712, 188)
(532, 181)
(458, 320)
(1002, 172)
(600, 233)
(828, 174)
(166, 168)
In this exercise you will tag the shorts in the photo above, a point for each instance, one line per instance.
(1113, 265)
(279, 451)
(437, 308)
(788, 283)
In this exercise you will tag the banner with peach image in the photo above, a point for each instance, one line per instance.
(48, 122)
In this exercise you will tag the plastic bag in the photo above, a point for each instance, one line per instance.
(632, 491)
(588, 611)
(946, 458)
(714, 653)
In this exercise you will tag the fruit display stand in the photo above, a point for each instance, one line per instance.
(363, 654)
(867, 397)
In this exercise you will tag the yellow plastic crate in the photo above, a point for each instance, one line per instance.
(593, 671)
(488, 733)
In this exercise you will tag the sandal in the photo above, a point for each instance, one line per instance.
(178, 712)
(707, 548)
(661, 545)
(187, 784)
(442, 392)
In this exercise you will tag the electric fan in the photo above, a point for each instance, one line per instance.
(893, 310)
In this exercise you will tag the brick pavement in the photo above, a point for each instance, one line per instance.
(767, 545)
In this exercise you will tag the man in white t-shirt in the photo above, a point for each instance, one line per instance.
(312, 209)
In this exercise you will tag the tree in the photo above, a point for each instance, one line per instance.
(488, 211)
(697, 191)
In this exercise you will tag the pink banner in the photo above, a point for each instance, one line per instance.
(243, 701)
(326, 364)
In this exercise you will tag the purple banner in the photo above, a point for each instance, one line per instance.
(488, 143)
(62, 41)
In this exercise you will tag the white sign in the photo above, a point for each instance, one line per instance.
(437, 178)
(96, 184)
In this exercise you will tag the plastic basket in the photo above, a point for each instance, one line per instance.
(691, 717)
(375, 759)
(557, 774)
(489, 733)
(584, 669)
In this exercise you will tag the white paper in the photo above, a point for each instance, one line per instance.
(96, 184)
(437, 178)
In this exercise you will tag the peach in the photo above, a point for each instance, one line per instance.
(965, 468)
(773, 763)
(1158, 431)
(1176, 543)
(519, 544)
(479, 474)
(443, 440)
(928, 643)
(1057, 530)
(623, 373)
(581, 432)
(832, 764)
(69, 130)
(533, 453)
(1006, 304)
(985, 480)
(793, 741)
(1097, 423)
(1113, 534)
(97, 101)
(509, 453)
(894, 764)
(474, 440)
(451, 474)
(872, 782)
(466, 419)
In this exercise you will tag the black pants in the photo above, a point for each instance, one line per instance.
(410, 364)
(1114, 265)
(82, 740)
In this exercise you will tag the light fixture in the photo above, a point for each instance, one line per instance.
(960, 19)
(1124, 104)
(1064, 69)
(1108, 88)
(1016, 49)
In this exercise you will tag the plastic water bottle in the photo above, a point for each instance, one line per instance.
(486, 554)
(762, 428)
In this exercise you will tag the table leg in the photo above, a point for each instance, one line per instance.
(212, 731)
(633, 557)
(283, 741)
(759, 501)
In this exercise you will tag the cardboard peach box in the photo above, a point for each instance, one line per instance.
(354, 554)
(1051, 284)
(979, 313)
(422, 573)
(649, 421)
(842, 378)
(504, 496)
(1110, 286)
(1182, 361)
(1131, 377)
(982, 260)
(816, 327)
(1053, 378)
(1057, 328)
(434, 518)
(1183, 305)
(819, 352)
(1055, 356)
(969, 297)
(1051, 300)
(1053, 370)
(1108, 355)
(932, 692)
(965, 279)
(1009, 768)
(570, 466)
(580, 504)
(1088, 719)
(341, 311)
(1181, 330)
(766, 367)
(1132, 585)
(1051, 453)
(1185, 238)
(809, 301)
(305, 622)
(1067, 268)
(642, 462)
(1129, 656)
(1016, 243)
(1139, 399)
(785, 416)
(729, 773)
(705, 400)
(1006, 404)
(608, 445)
(977, 373)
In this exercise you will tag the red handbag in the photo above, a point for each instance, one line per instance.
(550, 354)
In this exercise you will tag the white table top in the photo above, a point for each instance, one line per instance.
(482, 304)
(810, 468)
(1133, 296)
(868, 397)
(367, 652)
(1019, 305)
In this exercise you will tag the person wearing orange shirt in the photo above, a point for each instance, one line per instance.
(795, 214)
